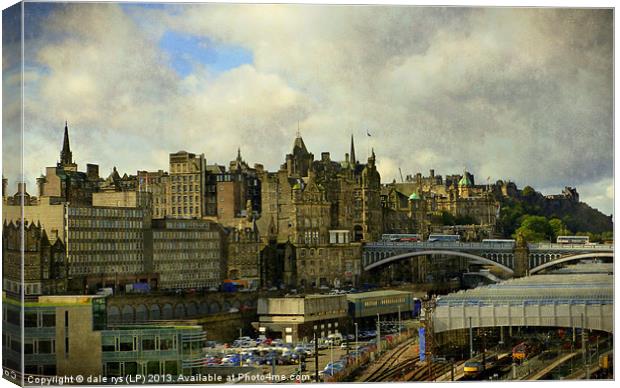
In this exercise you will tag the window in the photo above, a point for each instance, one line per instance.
(126, 344)
(165, 344)
(152, 367)
(30, 319)
(148, 343)
(170, 367)
(46, 347)
(108, 344)
(113, 368)
(28, 348)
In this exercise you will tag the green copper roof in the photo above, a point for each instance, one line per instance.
(414, 196)
(465, 181)
(296, 186)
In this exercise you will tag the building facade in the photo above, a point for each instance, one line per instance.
(325, 209)
(297, 318)
(43, 263)
(69, 336)
(188, 253)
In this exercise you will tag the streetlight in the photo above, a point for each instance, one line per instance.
(356, 346)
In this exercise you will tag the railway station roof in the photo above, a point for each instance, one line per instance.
(562, 288)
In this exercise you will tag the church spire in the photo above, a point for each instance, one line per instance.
(66, 156)
(352, 157)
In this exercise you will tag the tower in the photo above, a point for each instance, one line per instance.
(66, 156)
(352, 156)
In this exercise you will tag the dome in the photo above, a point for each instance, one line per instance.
(414, 196)
(465, 181)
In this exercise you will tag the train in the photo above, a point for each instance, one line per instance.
(444, 238)
(606, 361)
(573, 240)
(401, 237)
(525, 350)
(472, 368)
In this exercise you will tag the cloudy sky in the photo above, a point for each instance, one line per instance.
(519, 94)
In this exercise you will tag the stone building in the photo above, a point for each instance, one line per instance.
(325, 209)
(243, 246)
(43, 263)
(425, 204)
(185, 198)
(228, 192)
(64, 181)
(105, 246)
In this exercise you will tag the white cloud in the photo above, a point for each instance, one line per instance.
(508, 93)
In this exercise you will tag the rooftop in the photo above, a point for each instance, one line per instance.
(377, 294)
(591, 288)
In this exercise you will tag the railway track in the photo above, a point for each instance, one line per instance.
(389, 368)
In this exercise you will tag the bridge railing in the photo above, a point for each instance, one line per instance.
(439, 245)
(580, 247)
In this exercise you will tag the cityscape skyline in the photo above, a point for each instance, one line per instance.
(502, 84)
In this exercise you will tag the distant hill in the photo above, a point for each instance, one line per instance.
(578, 216)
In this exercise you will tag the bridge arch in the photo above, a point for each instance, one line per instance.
(408, 255)
(589, 255)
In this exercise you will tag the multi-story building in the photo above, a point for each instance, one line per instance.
(69, 336)
(188, 253)
(156, 183)
(243, 246)
(105, 246)
(325, 209)
(42, 263)
(228, 192)
(420, 204)
(187, 178)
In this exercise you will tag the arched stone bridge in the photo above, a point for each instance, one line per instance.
(503, 255)
(136, 308)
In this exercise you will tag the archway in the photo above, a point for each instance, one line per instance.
(402, 256)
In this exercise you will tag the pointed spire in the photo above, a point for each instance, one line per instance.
(238, 154)
(352, 156)
(66, 156)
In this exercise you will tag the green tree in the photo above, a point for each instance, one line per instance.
(465, 220)
(559, 228)
(528, 191)
(447, 218)
(535, 228)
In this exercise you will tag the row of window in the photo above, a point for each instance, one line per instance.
(184, 188)
(39, 319)
(115, 246)
(177, 266)
(89, 269)
(105, 234)
(126, 343)
(105, 212)
(184, 210)
(99, 224)
(16, 287)
(166, 249)
(132, 368)
(91, 257)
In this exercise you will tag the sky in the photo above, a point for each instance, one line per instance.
(521, 94)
